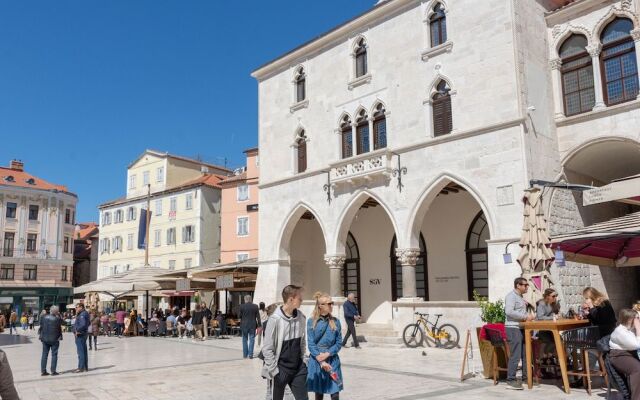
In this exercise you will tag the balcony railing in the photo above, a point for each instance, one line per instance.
(23, 253)
(362, 168)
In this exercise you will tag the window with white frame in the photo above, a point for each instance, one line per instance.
(131, 214)
(145, 178)
(173, 204)
(160, 174)
(158, 206)
(187, 263)
(243, 226)
(189, 201)
(156, 237)
(130, 241)
(243, 192)
(117, 243)
(172, 265)
(106, 218)
(132, 181)
(188, 234)
(242, 256)
(171, 236)
(360, 56)
(118, 216)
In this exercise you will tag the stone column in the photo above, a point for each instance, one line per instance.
(556, 78)
(335, 263)
(408, 258)
(635, 34)
(594, 52)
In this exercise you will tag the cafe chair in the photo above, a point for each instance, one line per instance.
(616, 380)
(498, 343)
(580, 341)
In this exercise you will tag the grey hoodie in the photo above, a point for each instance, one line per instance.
(281, 328)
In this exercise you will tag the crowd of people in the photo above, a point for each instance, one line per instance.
(26, 321)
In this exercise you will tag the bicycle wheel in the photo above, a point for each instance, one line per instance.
(412, 335)
(448, 336)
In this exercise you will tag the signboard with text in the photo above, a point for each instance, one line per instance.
(626, 190)
(224, 281)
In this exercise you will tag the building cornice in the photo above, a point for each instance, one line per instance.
(328, 39)
(574, 9)
(4, 187)
(124, 201)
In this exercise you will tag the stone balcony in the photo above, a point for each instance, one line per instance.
(362, 169)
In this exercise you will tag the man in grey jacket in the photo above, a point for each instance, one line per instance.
(50, 336)
(516, 312)
(285, 345)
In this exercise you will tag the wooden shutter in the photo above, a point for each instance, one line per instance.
(442, 119)
(302, 155)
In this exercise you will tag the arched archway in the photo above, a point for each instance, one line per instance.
(350, 274)
(478, 257)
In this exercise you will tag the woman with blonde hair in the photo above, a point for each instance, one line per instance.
(598, 310)
(324, 338)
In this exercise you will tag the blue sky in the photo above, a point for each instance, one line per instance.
(86, 86)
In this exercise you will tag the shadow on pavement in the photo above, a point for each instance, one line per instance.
(6, 340)
(70, 371)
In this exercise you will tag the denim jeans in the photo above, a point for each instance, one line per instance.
(83, 354)
(119, 329)
(45, 355)
(12, 328)
(247, 351)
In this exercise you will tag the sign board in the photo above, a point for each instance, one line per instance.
(224, 281)
(620, 190)
(252, 207)
(183, 284)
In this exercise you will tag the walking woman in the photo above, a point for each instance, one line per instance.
(95, 330)
(324, 339)
(262, 310)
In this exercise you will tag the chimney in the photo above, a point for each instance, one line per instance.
(16, 165)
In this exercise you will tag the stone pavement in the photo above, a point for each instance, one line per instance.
(162, 368)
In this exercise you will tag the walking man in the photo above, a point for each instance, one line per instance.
(50, 336)
(516, 310)
(13, 320)
(351, 315)
(81, 328)
(249, 323)
(120, 316)
(285, 344)
(206, 320)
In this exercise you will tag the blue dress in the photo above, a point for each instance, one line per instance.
(322, 339)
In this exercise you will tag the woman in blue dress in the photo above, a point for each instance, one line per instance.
(324, 337)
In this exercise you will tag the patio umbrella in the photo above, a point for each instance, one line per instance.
(535, 255)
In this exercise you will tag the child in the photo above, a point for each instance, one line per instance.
(23, 321)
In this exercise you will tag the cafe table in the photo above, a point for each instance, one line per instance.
(555, 327)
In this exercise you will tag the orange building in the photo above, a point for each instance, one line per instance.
(239, 236)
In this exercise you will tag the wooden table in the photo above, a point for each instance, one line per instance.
(555, 328)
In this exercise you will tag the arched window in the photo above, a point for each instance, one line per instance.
(362, 132)
(441, 103)
(577, 76)
(422, 275)
(351, 271)
(361, 58)
(618, 59)
(477, 261)
(300, 83)
(301, 152)
(347, 137)
(438, 26)
(379, 127)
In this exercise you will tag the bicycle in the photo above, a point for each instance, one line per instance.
(445, 335)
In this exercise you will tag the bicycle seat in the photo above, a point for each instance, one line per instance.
(421, 314)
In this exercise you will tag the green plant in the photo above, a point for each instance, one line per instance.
(492, 312)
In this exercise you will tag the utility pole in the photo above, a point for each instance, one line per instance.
(146, 239)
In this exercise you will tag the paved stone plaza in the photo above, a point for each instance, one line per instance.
(160, 368)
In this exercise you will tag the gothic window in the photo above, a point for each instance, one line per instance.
(379, 127)
(618, 60)
(301, 152)
(300, 84)
(438, 26)
(347, 137)
(361, 58)
(362, 132)
(441, 103)
(577, 76)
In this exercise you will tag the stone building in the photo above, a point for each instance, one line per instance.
(85, 253)
(395, 148)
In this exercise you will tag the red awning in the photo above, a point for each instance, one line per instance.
(612, 243)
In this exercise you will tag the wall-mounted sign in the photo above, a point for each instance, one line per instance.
(252, 207)
(620, 190)
(443, 279)
(375, 281)
(224, 281)
(183, 284)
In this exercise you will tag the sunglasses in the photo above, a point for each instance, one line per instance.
(523, 284)
(327, 304)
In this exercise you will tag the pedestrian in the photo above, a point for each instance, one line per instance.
(196, 321)
(171, 324)
(250, 324)
(31, 320)
(285, 346)
(106, 325)
(599, 311)
(263, 320)
(24, 321)
(13, 320)
(181, 323)
(120, 316)
(81, 328)
(94, 330)
(7, 388)
(50, 335)
(624, 344)
(324, 337)
(133, 323)
(351, 315)
(3, 322)
(516, 312)
(206, 320)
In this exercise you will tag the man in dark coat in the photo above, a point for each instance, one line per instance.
(351, 314)
(81, 329)
(249, 324)
(7, 388)
(50, 336)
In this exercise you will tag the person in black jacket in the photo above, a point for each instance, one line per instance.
(249, 324)
(50, 336)
(351, 314)
(599, 311)
(7, 388)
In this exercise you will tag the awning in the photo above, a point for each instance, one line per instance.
(612, 243)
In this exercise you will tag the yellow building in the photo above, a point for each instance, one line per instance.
(184, 230)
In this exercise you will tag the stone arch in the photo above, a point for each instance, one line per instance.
(566, 33)
(436, 80)
(416, 216)
(345, 220)
(356, 41)
(599, 140)
(375, 104)
(289, 225)
(613, 13)
(431, 5)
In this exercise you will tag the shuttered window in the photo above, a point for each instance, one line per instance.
(301, 149)
(300, 82)
(442, 116)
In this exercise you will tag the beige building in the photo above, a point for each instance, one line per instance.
(184, 230)
(37, 224)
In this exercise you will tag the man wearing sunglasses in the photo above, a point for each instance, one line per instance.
(515, 307)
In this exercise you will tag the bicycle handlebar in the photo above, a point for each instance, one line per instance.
(421, 314)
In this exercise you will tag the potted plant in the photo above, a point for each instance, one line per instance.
(493, 314)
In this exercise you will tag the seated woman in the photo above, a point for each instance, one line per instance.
(624, 344)
(599, 311)
(546, 309)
